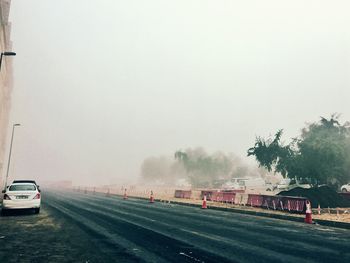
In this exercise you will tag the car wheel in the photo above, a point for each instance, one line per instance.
(344, 190)
(37, 210)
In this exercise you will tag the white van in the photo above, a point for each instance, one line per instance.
(255, 184)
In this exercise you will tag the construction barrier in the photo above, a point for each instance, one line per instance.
(183, 194)
(208, 194)
(284, 203)
(241, 199)
(255, 200)
(226, 196)
(196, 194)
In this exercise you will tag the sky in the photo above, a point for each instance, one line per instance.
(102, 84)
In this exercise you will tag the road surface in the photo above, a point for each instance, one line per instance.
(134, 230)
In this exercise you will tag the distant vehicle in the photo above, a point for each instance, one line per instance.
(284, 184)
(252, 184)
(234, 184)
(345, 188)
(255, 184)
(270, 187)
(22, 196)
(287, 184)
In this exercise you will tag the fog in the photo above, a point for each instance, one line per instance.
(198, 168)
(101, 85)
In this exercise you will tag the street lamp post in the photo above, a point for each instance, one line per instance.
(9, 160)
(6, 54)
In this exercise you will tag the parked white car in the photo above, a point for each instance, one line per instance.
(345, 188)
(22, 196)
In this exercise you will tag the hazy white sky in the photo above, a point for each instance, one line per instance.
(102, 84)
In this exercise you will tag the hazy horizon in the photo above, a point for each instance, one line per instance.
(101, 85)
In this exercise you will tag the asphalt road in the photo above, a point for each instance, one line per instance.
(158, 232)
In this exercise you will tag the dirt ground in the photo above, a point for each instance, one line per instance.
(47, 237)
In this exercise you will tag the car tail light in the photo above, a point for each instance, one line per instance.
(37, 196)
(6, 197)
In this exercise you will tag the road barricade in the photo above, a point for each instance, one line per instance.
(225, 196)
(284, 203)
(208, 193)
(255, 200)
(294, 204)
(196, 194)
(241, 199)
(183, 194)
(272, 202)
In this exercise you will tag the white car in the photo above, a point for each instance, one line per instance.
(22, 196)
(345, 188)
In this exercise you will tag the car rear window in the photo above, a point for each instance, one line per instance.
(22, 187)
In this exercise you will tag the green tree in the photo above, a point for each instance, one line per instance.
(324, 150)
(320, 154)
(272, 154)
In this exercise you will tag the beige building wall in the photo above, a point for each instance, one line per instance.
(6, 82)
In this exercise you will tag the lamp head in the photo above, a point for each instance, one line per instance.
(9, 53)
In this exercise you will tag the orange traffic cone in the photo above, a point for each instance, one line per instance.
(151, 198)
(204, 205)
(308, 213)
(125, 195)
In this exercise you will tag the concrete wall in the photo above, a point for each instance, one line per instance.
(6, 82)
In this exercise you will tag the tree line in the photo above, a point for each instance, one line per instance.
(319, 155)
(195, 166)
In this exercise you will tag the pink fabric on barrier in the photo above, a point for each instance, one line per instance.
(255, 200)
(285, 203)
(223, 196)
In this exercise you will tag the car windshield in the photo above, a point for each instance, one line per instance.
(22, 187)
